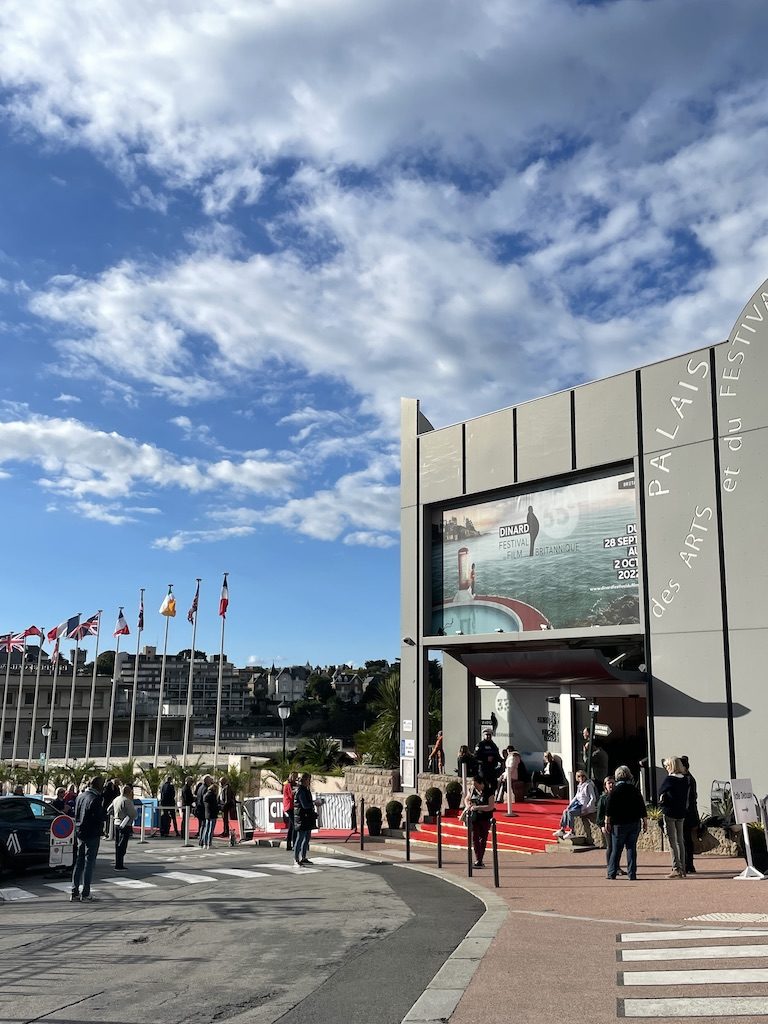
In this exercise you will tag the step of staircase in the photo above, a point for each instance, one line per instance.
(529, 830)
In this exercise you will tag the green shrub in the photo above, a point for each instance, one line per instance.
(413, 805)
(394, 813)
(373, 818)
(434, 799)
(453, 795)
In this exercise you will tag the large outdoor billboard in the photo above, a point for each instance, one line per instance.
(559, 558)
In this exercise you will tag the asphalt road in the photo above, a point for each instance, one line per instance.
(190, 937)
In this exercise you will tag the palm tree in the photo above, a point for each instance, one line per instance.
(124, 773)
(77, 773)
(240, 781)
(150, 778)
(319, 751)
(381, 740)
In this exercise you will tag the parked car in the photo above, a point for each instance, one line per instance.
(25, 831)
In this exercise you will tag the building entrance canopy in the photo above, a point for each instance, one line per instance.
(550, 666)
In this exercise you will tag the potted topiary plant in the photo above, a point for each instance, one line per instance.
(453, 795)
(434, 801)
(394, 813)
(413, 808)
(373, 820)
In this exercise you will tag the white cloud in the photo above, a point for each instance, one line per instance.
(183, 538)
(81, 463)
(365, 538)
(67, 398)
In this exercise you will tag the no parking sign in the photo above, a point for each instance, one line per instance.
(62, 842)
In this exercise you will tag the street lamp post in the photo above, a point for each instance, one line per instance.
(46, 731)
(284, 711)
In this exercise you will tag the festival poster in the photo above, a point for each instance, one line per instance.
(561, 558)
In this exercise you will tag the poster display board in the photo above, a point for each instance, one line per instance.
(559, 558)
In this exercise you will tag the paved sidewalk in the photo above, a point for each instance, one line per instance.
(565, 945)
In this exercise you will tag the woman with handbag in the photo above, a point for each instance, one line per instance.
(305, 819)
(478, 811)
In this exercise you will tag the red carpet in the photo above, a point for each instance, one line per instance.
(530, 831)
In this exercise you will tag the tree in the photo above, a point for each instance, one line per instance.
(151, 778)
(381, 740)
(105, 664)
(320, 687)
(320, 751)
(78, 773)
(124, 773)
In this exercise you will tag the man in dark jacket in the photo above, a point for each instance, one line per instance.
(692, 820)
(89, 821)
(168, 805)
(625, 815)
(110, 791)
(202, 788)
(488, 758)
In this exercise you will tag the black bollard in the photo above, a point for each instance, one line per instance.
(495, 849)
(362, 823)
(469, 847)
(439, 817)
(407, 835)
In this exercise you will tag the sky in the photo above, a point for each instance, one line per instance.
(234, 234)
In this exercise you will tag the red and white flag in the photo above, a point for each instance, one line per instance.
(224, 599)
(32, 631)
(64, 628)
(121, 626)
(55, 655)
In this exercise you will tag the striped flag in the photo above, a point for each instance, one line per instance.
(193, 610)
(64, 628)
(224, 599)
(168, 607)
(121, 626)
(55, 655)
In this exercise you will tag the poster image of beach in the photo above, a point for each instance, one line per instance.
(559, 558)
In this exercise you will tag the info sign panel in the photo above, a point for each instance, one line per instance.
(560, 558)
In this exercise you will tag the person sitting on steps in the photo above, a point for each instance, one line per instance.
(583, 803)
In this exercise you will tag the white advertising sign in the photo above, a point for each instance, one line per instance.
(743, 801)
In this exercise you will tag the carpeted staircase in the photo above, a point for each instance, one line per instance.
(529, 831)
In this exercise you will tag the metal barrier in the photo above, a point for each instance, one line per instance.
(469, 846)
(407, 835)
(495, 851)
(362, 823)
(439, 817)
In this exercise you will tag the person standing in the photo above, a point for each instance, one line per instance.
(673, 800)
(625, 815)
(124, 812)
(227, 804)
(602, 802)
(520, 775)
(211, 807)
(168, 808)
(305, 819)
(202, 788)
(111, 790)
(437, 755)
(89, 821)
(488, 757)
(478, 812)
(692, 821)
(187, 804)
(288, 804)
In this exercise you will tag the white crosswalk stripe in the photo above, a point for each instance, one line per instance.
(336, 862)
(239, 872)
(661, 1005)
(288, 867)
(186, 876)
(131, 883)
(13, 893)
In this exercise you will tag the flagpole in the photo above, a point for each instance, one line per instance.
(191, 679)
(93, 687)
(5, 692)
(37, 697)
(72, 700)
(221, 679)
(139, 631)
(112, 699)
(160, 694)
(57, 653)
(18, 702)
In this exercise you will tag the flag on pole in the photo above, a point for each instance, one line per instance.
(64, 628)
(88, 628)
(140, 625)
(121, 626)
(12, 642)
(32, 631)
(193, 610)
(55, 655)
(224, 599)
(168, 607)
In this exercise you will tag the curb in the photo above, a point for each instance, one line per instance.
(440, 998)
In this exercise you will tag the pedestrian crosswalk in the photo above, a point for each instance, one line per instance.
(726, 991)
(176, 872)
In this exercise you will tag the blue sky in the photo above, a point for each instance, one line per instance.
(233, 235)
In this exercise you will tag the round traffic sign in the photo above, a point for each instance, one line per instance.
(62, 827)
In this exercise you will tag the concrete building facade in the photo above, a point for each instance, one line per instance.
(604, 545)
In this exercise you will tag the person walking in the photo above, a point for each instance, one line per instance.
(305, 819)
(625, 815)
(288, 805)
(227, 804)
(187, 804)
(673, 800)
(437, 755)
(211, 806)
(692, 821)
(124, 812)
(478, 813)
(89, 821)
(168, 808)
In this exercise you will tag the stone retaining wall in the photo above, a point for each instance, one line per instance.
(714, 842)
